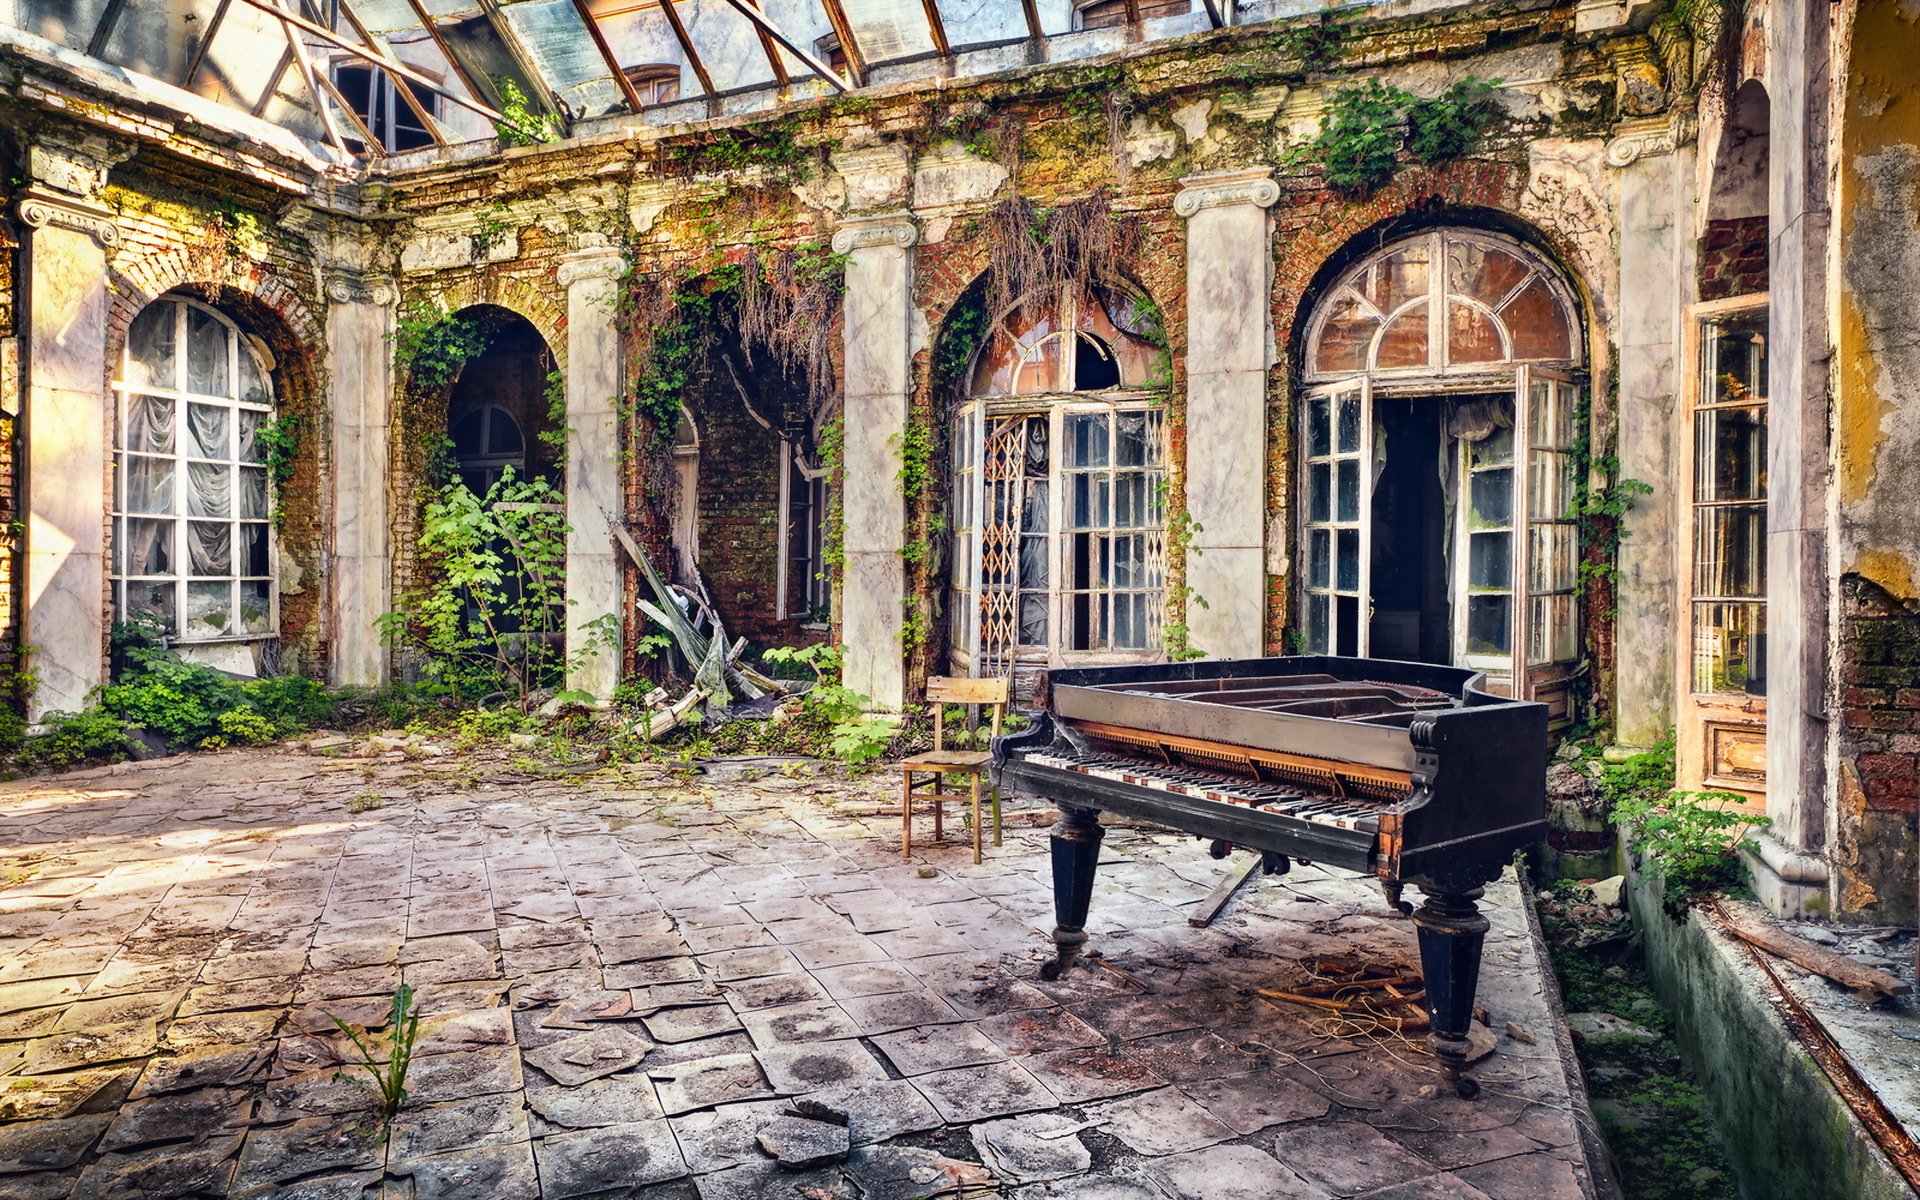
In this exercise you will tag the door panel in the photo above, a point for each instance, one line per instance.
(1338, 521)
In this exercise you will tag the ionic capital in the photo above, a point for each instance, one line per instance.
(593, 262)
(862, 233)
(1253, 185)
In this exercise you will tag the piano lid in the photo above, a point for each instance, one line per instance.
(1343, 709)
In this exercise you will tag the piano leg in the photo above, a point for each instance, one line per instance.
(1451, 932)
(1076, 851)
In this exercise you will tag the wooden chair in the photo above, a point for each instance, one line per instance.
(939, 762)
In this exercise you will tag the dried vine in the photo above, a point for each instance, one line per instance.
(1036, 251)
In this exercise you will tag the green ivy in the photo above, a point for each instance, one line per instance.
(431, 344)
(555, 432)
(520, 124)
(1314, 44)
(279, 443)
(1364, 129)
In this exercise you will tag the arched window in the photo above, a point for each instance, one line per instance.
(1059, 468)
(1436, 440)
(1445, 302)
(487, 443)
(192, 536)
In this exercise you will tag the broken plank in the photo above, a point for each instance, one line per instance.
(1223, 892)
(1846, 972)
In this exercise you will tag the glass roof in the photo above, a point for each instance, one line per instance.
(379, 76)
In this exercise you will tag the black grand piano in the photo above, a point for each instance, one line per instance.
(1413, 773)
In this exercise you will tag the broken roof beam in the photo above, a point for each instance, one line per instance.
(937, 27)
(306, 75)
(768, 47)
(849, 44)
(523, 59)
(599, 37)
(388, 61)
(1215, 18)
(391, 65)
(103, 31)
(206, 44)
(808, 57)
(679, 28)
(1031, 10)
(467, 81)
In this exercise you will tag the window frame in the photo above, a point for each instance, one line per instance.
(812, 589)
(386, 113)
(180, 559)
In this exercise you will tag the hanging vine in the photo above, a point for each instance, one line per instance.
(1035, 251)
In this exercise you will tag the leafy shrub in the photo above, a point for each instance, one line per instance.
(1690, 837)
(245, 727)
(1365, 128)
(475, 726)
(1451, 124)
(71, 739)
(179, 700)
(13, 730)
(292, 702)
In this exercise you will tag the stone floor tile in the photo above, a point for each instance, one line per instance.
(814, 1022)
(751, 962)
(838, 951)
(867, 979)
(1159, 1122)
(674, 1053)
(611, 1100)
(813, 1066)
(219, 1065)
(1452, 1149)
(762, 1179)
(1037, 1032)
(825, 925)
(344, 1185)
(465, 1030)
(465, 1073)
(91, 1047)
(615, 949)
(459, 1125)
(707, 1082)
(48, 1145)
(598, 1160)
(775, 991)
(886, 1013)
(1032, 1148)
(235, 997)
(682, 969)
(649, 1000)
(280, 1153)
(51, 1097)
(1230, 1173)
(178, 1117)
(162, 1171)
(1525, 1177)
(877, 1112)
(688, 1024)
(970, 1094)
(495, 1172)
(1113, 1185)
(1140, 1016)
(1192, 1055)
(992, 995)
(717, 1138)
(1343, 1156)
(575, 1060)
(937, 1048)
(1091, 1074)
(1430, 1187)
(1249, 1103)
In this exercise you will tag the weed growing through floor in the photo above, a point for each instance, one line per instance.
(365, 801)
(1689, 837)
(389, 1077)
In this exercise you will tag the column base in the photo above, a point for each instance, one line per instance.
(1791, 883)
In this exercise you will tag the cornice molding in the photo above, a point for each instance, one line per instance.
(893, 229)
(1218, 189)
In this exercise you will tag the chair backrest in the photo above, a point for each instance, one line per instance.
(943, 690)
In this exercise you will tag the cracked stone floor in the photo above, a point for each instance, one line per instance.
(626, 975)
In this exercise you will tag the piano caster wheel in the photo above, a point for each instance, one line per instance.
(1467, 1088)
(1050, 970)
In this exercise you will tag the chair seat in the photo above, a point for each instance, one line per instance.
(947, 760)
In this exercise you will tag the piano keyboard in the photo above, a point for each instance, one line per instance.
(1336, 811)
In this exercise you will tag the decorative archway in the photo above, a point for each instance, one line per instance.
(1436, 460)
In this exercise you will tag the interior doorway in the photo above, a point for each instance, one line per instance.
(1412, 611)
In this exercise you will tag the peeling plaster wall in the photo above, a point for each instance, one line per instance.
(1876, 447)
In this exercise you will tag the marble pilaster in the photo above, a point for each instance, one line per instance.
(877, 310)
(1229, 348)
(1656, 256)
(360, 374)
(594, 501)
(65, 431)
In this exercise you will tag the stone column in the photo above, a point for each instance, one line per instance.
(594, 501)
(360, 381)
(1791, 870)
(65, 432)
(878, 314)
(1656, 271)
(1229, 347)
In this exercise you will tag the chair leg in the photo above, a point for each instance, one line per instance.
(906, 814)
(996, 814)
(976, 818)
(939, 808)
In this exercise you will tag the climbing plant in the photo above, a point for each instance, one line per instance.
(430, 344)
(1036, 250)
(279, 443)
(1365, 128)
(520, 124)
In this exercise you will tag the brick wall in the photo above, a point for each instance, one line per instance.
(1733, 258)
(1877, 654)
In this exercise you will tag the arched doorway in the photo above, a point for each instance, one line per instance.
(1436, 462)
(1059, 470)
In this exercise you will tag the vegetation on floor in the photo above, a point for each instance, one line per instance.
(1663, 1143)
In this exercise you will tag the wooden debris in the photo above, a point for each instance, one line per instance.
(1223, 892)
(1847, 972)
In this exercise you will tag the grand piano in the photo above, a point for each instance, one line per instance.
(1412, 773)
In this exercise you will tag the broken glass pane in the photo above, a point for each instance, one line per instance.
(1489, 624)
(209, 610)
(888, 29)
(150, 347)
(565, 56)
